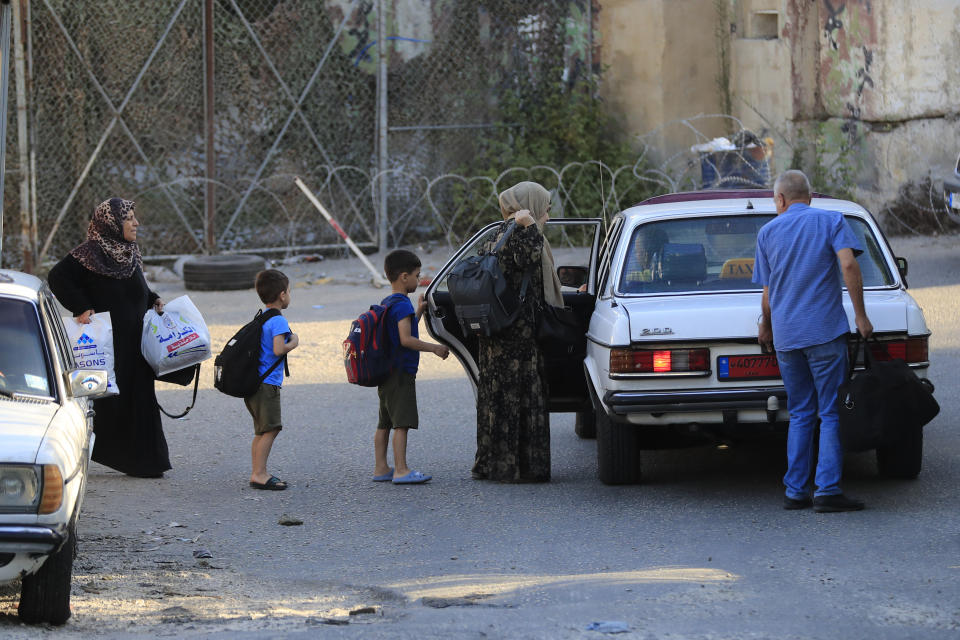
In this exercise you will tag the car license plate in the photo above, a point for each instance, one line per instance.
(953, 199)
(745, 367)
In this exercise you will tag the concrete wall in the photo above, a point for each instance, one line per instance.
(871, 86)
(660, 61)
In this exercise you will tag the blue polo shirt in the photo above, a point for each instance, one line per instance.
(797, 259)
(400, 308)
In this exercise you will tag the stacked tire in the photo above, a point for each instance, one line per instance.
(222, 273)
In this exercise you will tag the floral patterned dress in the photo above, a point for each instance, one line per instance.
(513, 424)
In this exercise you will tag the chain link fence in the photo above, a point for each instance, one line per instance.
(375, 112)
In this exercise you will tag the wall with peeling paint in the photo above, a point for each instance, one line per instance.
(880, 79)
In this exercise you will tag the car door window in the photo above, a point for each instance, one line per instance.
(23, 361)
(480, 241)
(58, 337)
(605, 255)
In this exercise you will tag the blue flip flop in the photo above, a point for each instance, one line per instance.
(414, 477)
(384, 477)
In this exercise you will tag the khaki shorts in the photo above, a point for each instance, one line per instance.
(264, 406)
(398, 401)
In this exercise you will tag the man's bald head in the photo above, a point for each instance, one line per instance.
(791, 186)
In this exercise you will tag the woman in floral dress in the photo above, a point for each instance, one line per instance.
(513, 424)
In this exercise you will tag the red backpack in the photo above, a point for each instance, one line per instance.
(368, 355)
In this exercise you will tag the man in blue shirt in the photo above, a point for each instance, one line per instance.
(801, 255)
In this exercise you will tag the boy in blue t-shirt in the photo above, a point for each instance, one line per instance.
(398, 395)
(276, 341)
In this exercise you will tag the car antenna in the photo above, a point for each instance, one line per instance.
(749, 205)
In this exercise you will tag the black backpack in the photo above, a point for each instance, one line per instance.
(235, 369)
(484, 302)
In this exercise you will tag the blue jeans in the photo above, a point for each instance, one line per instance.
(812, 377)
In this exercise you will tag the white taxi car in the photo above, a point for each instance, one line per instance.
(670, 314)
(46, 431)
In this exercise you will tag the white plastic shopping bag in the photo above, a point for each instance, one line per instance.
(177, 339)
(92, 346)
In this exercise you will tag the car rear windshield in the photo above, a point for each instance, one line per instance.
(23, 361)
(717, 254)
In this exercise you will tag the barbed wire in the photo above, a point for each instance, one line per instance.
(296, 95)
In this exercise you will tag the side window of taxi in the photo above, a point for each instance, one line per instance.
(59, 337)
(606, 254)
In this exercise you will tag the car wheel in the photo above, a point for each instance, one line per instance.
(585, 425)
(618, 450)
(45, 595)
(222, 273)
(903, 458)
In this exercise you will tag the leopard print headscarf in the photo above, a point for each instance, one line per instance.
(105, 250)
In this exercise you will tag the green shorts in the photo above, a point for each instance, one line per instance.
(398, 401)
(264, 407)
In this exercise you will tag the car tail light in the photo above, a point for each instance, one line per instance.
(910, 350)
(52, 496)
(659, 360)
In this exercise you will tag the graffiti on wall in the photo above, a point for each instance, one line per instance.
(848, 39)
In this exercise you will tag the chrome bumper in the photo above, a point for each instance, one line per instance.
(627, 402)
(26, 539)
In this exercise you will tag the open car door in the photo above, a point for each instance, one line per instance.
(575, 243)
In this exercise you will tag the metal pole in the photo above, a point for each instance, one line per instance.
(210, 200)
(378, 279)
(20, 73)
(31, 126)
(5, 16)
(382, 47)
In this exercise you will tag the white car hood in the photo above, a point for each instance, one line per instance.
(735, 315)
(22, 427)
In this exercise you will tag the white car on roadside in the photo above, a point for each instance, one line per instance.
(46, 435)
(670, 315)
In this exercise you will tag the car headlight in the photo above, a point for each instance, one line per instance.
(30, 488)
(19, 488)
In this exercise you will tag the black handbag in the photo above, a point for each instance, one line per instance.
(182, 377)
(560, 327)
(882, 403)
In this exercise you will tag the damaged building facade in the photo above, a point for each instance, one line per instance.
(865, 92)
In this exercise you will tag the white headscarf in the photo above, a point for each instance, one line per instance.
(534, 198)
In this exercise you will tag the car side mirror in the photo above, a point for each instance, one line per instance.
(902, 266)
(574, 277)
(87, 383)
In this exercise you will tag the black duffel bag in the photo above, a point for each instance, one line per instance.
(882, 403)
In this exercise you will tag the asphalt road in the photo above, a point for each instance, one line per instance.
(701, 550)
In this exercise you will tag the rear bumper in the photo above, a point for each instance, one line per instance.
(623, 403)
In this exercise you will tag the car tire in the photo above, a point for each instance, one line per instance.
(618, 450)
(45, 595)
(585, 425)
(222, 273)
(903, 458)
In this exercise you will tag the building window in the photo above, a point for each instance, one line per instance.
(765, 25)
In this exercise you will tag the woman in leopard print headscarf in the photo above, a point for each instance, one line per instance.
(107, 251)
(105, 274)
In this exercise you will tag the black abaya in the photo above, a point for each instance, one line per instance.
(128, 428)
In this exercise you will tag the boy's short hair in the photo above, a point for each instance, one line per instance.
(270, 284)
(400, 261)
